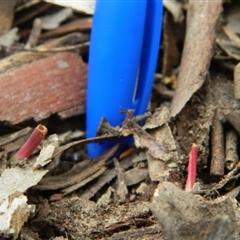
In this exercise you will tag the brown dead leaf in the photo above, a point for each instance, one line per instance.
(144, 140)
(160, 169)
(79, 175)
(201, 24)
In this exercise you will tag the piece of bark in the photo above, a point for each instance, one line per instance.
(37, 90)
(185, 216)
(158, 168)
(202, 18)
(220, 229)
(134, 176)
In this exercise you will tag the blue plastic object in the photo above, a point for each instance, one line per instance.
(123, 54)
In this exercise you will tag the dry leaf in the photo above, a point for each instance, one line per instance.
(159, 169)
(201, 24)
(143, 140)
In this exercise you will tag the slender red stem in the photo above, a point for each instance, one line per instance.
(32, 142)
(192, 168)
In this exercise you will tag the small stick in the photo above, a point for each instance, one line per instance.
(236, 81)
(217, 161)
(192, 168)
(231, 149)
(80, 46)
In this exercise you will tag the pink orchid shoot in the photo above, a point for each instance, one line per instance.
(192, 168)
(32, 142)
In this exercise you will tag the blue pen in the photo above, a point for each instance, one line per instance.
(122, 60)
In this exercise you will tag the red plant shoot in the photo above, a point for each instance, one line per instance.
(192, 168)
(32, 142)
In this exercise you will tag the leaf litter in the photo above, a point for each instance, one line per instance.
(130, 195)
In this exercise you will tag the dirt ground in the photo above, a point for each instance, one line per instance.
(156, 188)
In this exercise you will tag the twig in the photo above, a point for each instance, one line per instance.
(237, 81)
(217, 161)
(60, 49)
(231, 149)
